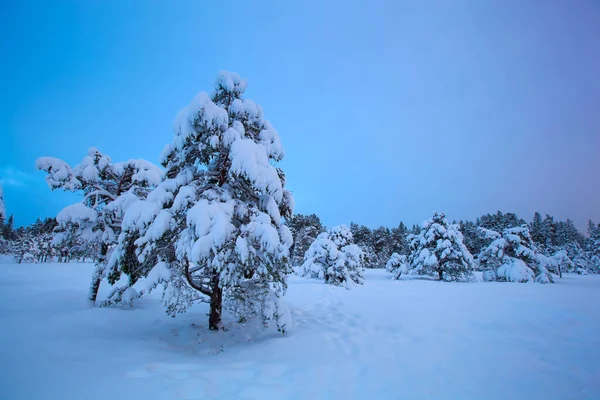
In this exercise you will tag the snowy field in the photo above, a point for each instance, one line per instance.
(413, 339)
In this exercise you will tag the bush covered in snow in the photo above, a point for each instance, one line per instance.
(335, 258)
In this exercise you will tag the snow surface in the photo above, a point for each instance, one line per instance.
(407, 339)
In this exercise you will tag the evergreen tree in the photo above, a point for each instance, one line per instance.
(398, 238)
(439, 251)
(535, 229)
(108, 188)
(9, 232)
(397, 265)
(472, 237)
(213, 230)
(415, 230)
(335, 258)
(514, 257)
(2, 211)
(382, 244)
(499, 221)
(593, 245)
(567, 233)
(363, 238)
(305, 229)
(548, 232)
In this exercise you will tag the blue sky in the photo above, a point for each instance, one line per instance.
(388, 110)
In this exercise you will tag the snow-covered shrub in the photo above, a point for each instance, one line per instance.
(515, 270)
(214, 226)
(489, 275)
(397, 265)
(515, 258)
(334, 258)
(438, 250)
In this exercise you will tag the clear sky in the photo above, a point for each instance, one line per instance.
(388, 111)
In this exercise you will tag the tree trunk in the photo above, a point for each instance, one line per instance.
(440, 275)
(98, 273)
(216, 306)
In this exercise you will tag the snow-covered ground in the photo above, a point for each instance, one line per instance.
(413, 339)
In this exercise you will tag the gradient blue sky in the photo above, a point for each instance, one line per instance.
(388, 110)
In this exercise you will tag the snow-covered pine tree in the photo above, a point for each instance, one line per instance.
(566, 233)
(472, 236)
(581, 262)
(108, 188)
(438, 250)
(335, 258)
(535, 229)
(305, 229)
(9, 231)
(592, 245)
(363, 238)
(499, 221)
(397, 265)
(213, 230)
(382, 244)
(513, 256)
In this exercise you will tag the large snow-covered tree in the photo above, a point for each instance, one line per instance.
(335, 258)
(438, 250)
(513, 256)
(213, 230)
(108, 188)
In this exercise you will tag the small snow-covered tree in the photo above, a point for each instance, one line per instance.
(335, 258)
(397, 265)
(438, 250)
(25, 249)
(108, 189)
(213, 230)
(512, 256)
